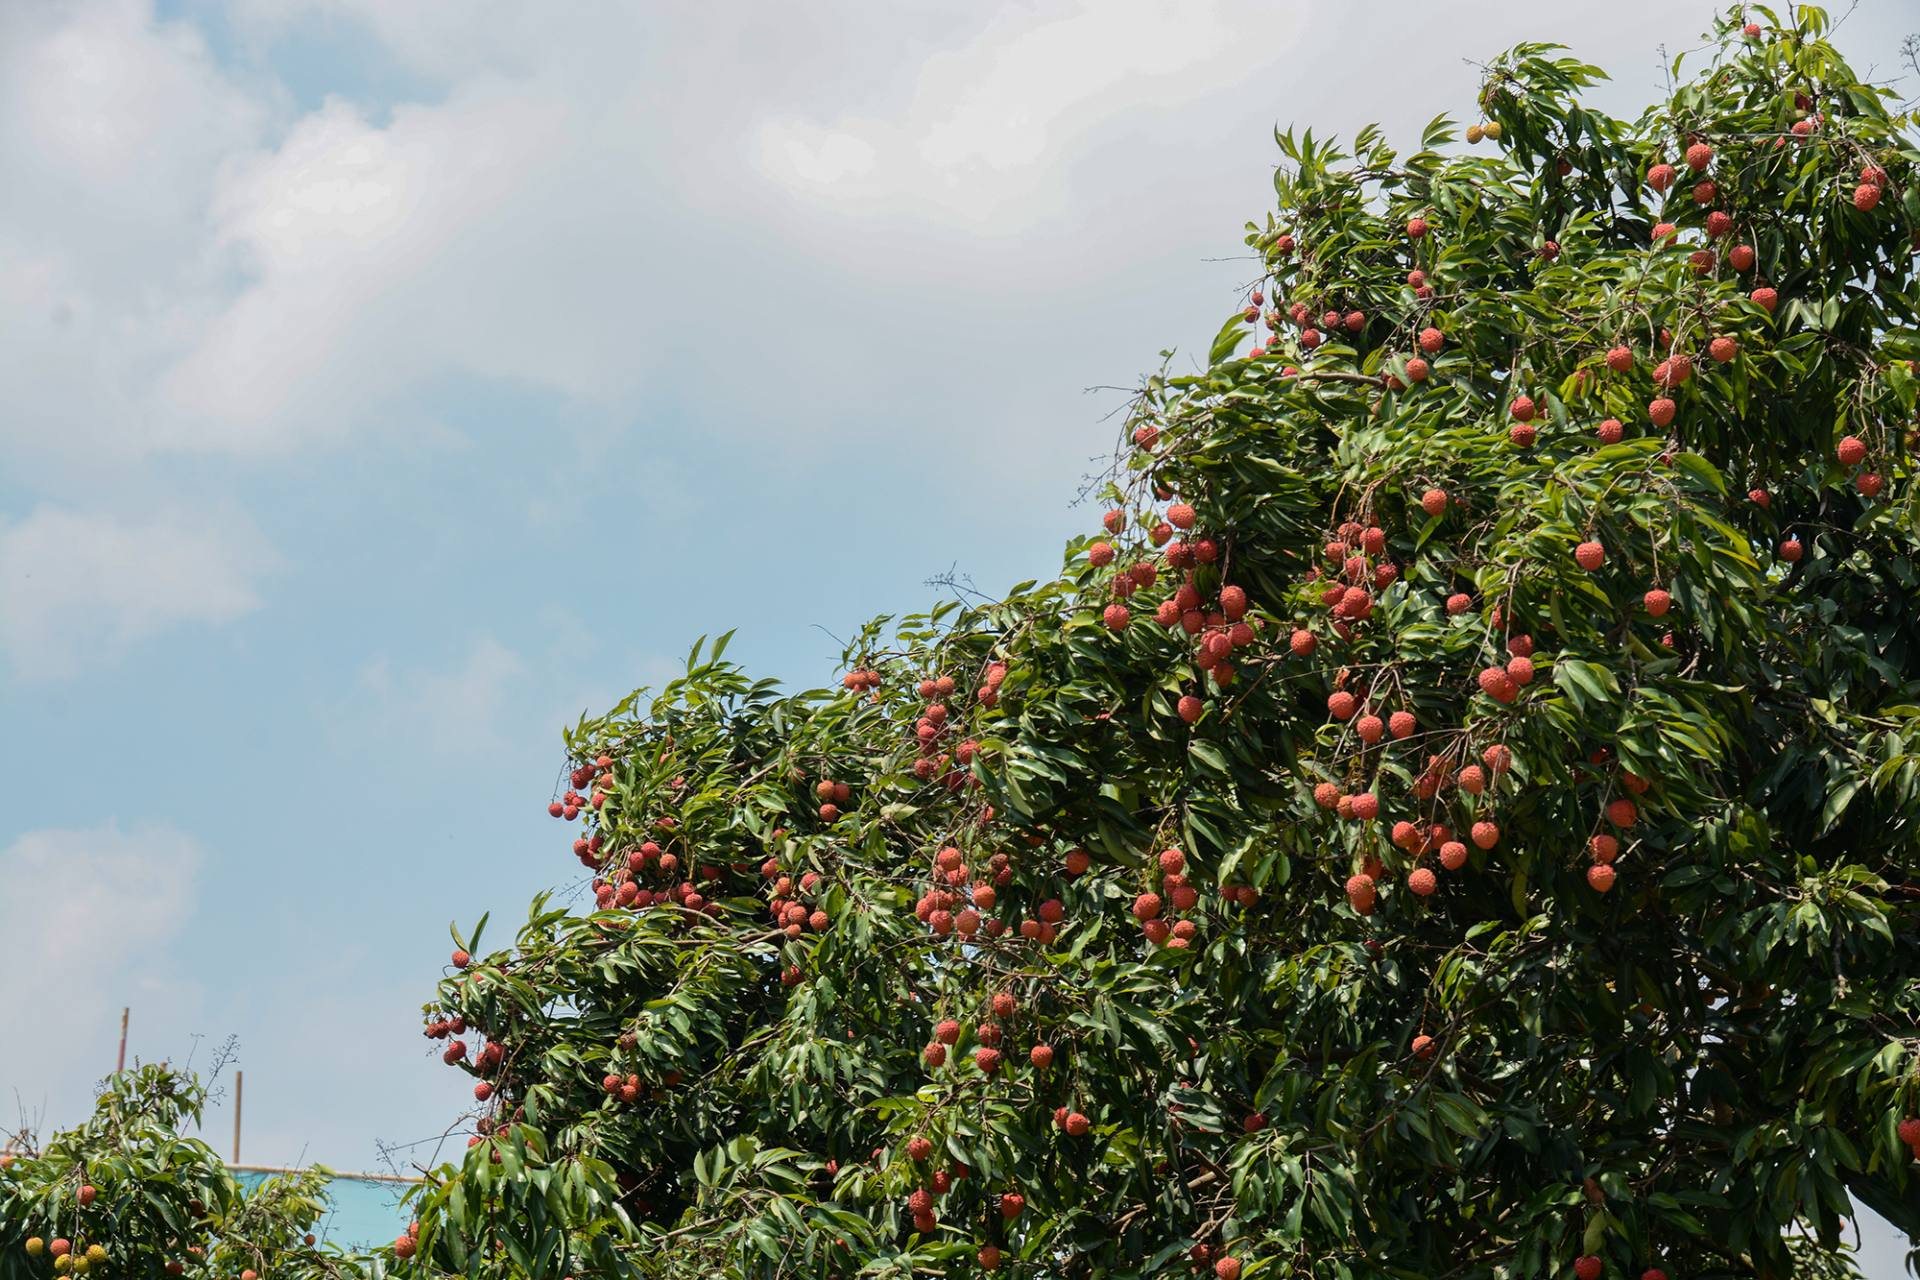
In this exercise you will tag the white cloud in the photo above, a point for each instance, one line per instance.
(78, 586)
(461, 711)
(91, 915)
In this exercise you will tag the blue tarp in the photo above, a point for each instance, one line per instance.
(363, 1212)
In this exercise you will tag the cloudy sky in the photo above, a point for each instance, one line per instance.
(384, 384)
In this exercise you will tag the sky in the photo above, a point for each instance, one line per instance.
(384, 385)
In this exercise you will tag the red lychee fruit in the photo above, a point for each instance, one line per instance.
(1190, 708)
(1866, 196)
(461, 959)
(1422, 882)
(1401, 724)
(1366, 806)
(1485, 834)
(1661, 411)
(1498, 685)
(1741, 257)
(1453, 855)
(1434, 501)
(1622, 813)
(1116, 617)
(1341, 705)
(988, 1060)
(1699, 156)
(1657, 602)
(1590, 555)
(1418, 370)
(1180, 516)
(1765, 297)
(1660, 177)
(1852, 451)
(1360, 894)
(1869, 483)
(1603, 847)
(1522, 434)
(1041, 1055)
(1601, 876)
(1791, 550)
(1523, 408)
(1370, 729)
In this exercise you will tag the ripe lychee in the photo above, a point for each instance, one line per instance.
(1699, 156)
(1657, 602)
(1852, 451)
(1601, 876)
(1360, 893)
(1660, 177)
(1422, 881)
(1434, 501)
(1661, 411)
(1485, 834)
(1741, 257)
(1590, 555)
(1765, 297)
(1522, 434)
(1523, 408)
(1453, 855)
(1622, 813)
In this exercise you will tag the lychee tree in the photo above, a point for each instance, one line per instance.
(131, 1193)
(1460, 816)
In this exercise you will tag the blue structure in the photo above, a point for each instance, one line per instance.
(363, 1211)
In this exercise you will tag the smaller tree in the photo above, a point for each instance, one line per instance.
(129, 1194)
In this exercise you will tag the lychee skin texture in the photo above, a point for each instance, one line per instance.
(1434, 501)
(1741, 257)
(1699, 156)
(1180, 516)
(1227, 1269)
(1522, 434)
(1620, 359)
(1416, 227)
(1869, 484)
(1909, 1131)
(1601, 876)
(1116, 617)
(1658, 602)
(1423, 882)
(1765, 298)
(1603, 848)
(1431, 340)
(1723, 349)
(1590, 555)
(1622, 813)
(1418, 370)
(1523, 408)
(1791, 550)
(1660, 177)
(1360, 893)
(1610, 431)
(1453, 855)
(1866, 196)
(1485, 834)
(1660, 412)
(1852, 451)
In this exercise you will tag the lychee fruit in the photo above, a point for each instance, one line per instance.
(1590, 555)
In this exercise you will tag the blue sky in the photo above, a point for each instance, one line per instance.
(382, 385)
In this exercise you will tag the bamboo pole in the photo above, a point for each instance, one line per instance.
(121, 1064)
(239, 1091)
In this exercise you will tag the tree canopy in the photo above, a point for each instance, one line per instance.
(1458, 817)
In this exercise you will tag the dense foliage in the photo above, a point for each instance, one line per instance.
(1460, 818)
(129, 1193)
